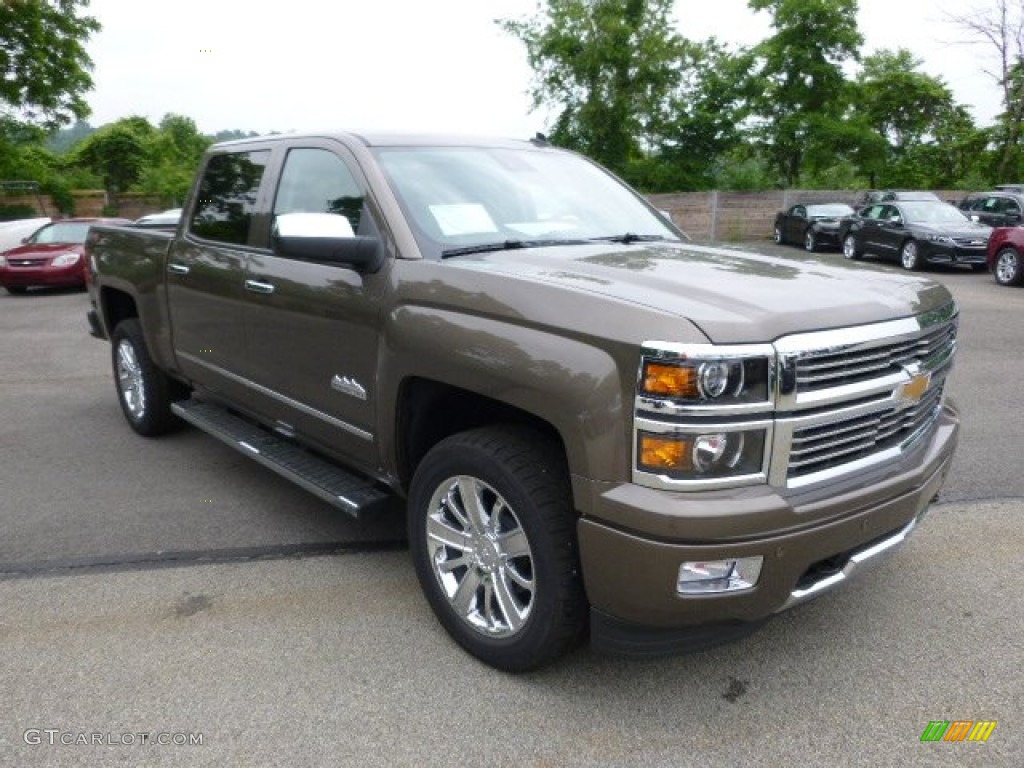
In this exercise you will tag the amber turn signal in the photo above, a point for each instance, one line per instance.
(668, 454)
(670, 380)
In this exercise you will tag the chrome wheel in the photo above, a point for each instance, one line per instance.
(909, 256)
(1007, 271)
(130, 381)
(850, 247)
(778, 235)
(810, 244)
(480, 556)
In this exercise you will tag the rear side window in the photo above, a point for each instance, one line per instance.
(227, 196)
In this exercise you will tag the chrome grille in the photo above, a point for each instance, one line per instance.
(835, 367)
(829, 445)
(970, 242)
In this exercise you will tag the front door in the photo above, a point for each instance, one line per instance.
(312, 327)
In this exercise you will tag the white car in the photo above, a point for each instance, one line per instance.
(13, 233)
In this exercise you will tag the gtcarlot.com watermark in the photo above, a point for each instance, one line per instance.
(55, 737)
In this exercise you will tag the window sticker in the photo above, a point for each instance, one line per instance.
(463, 219)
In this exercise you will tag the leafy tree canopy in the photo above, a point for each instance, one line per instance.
(608, 66)
(44, 68)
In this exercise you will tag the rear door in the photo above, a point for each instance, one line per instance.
(206, 270)
(869, 220)
(892, 230)
(795, 224)
(312, 328)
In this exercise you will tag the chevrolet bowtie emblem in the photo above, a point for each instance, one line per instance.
(912, 391)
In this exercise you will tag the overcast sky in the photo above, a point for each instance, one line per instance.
(410, 64)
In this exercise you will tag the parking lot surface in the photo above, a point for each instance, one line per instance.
(298, 637)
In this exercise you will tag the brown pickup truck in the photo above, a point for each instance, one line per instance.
(595, 425)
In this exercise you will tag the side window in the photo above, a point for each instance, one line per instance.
(800, 212)
(875, 211)
(892, 213)
(318, 181)
(1011, 206)
(991, 204)
(227, 196)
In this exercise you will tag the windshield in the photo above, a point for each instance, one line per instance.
(461, 197)
(62, 232)
(832, 209)
(933, 213)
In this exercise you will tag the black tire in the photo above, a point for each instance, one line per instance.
(521, 476)
(850, 249)
(16, 290)
(779, 239)
(144, 391)
(810, 241)
(910, 256)
(1008, 268)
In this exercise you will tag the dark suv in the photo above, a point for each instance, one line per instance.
(1001, 208)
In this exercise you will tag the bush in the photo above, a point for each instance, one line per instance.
(17, 211)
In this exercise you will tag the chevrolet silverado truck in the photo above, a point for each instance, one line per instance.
(598, 428)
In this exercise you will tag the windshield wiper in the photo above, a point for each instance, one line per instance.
(630, 237)
(507, 245)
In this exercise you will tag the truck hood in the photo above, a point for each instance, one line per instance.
(731, 295)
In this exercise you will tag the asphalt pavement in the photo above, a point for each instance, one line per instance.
(172, 591)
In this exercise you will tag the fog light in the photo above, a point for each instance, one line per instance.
(711, 576)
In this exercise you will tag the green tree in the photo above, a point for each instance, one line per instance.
(1000, 28)
(803, 94)
(607, 67)
(703, 119)
(901, 109)
(118, 153)
(44, 67)
(174, 153)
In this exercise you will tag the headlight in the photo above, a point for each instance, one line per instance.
(3, 261)
(702, 456)
(718, 380)
(65, 260)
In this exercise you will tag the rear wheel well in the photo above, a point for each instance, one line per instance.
(116, 306)
(430, 411)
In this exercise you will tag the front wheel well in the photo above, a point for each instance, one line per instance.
(429, 411)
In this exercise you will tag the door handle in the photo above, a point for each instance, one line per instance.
(257, 286)
(177, 269)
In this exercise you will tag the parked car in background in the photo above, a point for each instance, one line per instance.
(811, 225)
(1004, 255)
(916, 232)
(52, 256)
(1000, 208)
(164, 220)
(873, 196)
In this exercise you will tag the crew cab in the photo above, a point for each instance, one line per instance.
(596, 427)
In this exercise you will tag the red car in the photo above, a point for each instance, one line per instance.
(1005, 260)
(53, 256)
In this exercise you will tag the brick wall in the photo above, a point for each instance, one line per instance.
(90, 202)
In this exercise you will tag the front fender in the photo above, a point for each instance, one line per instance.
(581, 390)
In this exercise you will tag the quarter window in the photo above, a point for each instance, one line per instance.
(227, 196)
